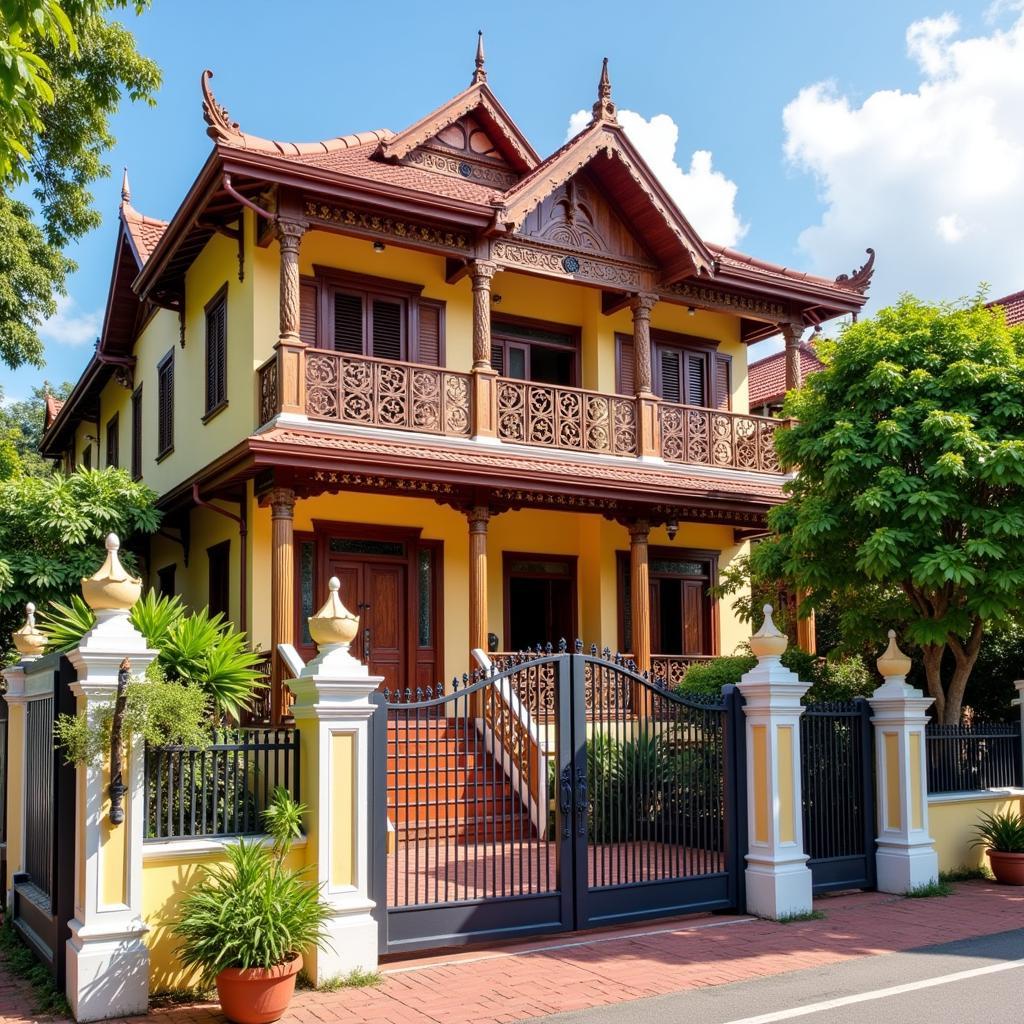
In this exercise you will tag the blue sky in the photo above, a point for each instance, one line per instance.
(829, 126)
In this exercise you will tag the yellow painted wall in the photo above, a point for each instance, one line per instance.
(164, 883)
(950, 822)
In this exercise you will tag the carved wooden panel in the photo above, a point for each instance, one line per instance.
(270, 397)
(577, 217)
(711, 437)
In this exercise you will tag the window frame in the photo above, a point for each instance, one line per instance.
(137, 429)
(165, 428)
(707, 348)
(219, 301)
(511, 321)
(222, 549)
(113, 433)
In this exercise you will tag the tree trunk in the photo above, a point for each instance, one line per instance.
(932, 656)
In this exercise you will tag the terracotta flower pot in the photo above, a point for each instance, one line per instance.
(1007, 867)
(257, 995)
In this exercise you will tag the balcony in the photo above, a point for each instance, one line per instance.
(334, 387)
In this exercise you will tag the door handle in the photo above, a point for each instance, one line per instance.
(565, 789)
(581, 801)
(366, 644)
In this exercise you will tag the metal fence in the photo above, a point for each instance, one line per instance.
(39, 794)
(984, 755)
(221, 789)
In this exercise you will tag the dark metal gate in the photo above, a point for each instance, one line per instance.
(565, 791)
(838, 780)
(44, 891)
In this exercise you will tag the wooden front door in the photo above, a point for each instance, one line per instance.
(376, 592)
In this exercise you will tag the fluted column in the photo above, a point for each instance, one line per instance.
(640, 593)
(282, 589)
(792, 333)
(485, 402)
(290, 350)
(478, 517)
(647, 411)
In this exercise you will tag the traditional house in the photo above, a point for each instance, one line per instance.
(1013, 306)
(504, 399)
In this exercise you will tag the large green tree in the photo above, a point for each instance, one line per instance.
(51, 529)
(910, 491)
(63, 71)
(21, 428)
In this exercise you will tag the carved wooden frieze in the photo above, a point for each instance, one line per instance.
(711, 297)
(330, 479)
(460, 166)
(694, 513)
(541, 259)
(385, 226)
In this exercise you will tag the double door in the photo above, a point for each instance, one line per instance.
(376, 591)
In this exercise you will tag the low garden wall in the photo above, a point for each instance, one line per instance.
(951, 817)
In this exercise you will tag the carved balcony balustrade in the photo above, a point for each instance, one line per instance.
(332, 386)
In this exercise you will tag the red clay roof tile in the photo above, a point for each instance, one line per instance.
(766, 378)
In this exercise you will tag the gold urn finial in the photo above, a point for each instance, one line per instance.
(768, 642)
(111, 588)
(893, 661)
(333, 623)
(30, 643)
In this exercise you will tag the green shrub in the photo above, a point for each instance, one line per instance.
(1003, 833)
(711, 676)
(252, 911)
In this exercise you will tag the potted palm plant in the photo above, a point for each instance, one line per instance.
(1002, 836)
(245, 923)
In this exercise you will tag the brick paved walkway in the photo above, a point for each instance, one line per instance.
(511, 983)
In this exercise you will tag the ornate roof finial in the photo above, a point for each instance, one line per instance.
(604, 109)
(126, 190)
(221, 127)
(859, 280)
(480, 74)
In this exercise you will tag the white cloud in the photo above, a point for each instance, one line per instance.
(68, 327)
(933, 179)
(706, 197)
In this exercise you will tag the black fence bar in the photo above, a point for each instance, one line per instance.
(965, 758)
(39, 778)
(221, 789)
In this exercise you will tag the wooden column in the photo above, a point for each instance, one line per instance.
(290, 349)
(806, 634)
(478, 517)
(648, 432)
(640, 593)
(282, 589)
(792, 333)
(485, 406)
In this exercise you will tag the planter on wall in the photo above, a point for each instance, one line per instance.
(1007, 867)
(257, 995)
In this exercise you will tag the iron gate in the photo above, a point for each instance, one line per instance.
(44, 890)
(838, 779)
(565, 791)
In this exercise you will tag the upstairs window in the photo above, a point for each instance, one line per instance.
(165, 405)
(684, 369)
(137, 433)
(370, 316)
(535, 351)
(113, 456)
(217, 352)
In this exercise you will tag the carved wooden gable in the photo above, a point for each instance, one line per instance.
(465, 149)
(578, 217)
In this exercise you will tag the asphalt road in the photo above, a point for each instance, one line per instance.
(974, 981)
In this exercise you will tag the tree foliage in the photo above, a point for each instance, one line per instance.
(52, 530)
(63, 71)
(910, 492)
(21, 428)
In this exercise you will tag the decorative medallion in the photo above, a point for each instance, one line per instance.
(571, 265)
(466, 170)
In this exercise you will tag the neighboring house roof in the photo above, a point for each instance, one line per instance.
(1013, 306)
(766, 378)
(53, 407)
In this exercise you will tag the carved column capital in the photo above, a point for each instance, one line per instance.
(289, 232)
(481, 272)
(479, 516)
(641, 303)
(282, 503)
(639, 531)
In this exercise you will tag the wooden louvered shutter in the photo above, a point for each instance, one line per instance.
(387, 329)
(165, 405)
(428, 340)
(625, 379)
(670, 365)
(348, 323)
(693, 617)
(723, 382)
(498, 358)
(309, 302)
(137, 433)
(216, 354)
(696, 379)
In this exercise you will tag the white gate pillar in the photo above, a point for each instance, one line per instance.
(107, 959)
(778, 881)
(906, 856)
(334, 709)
